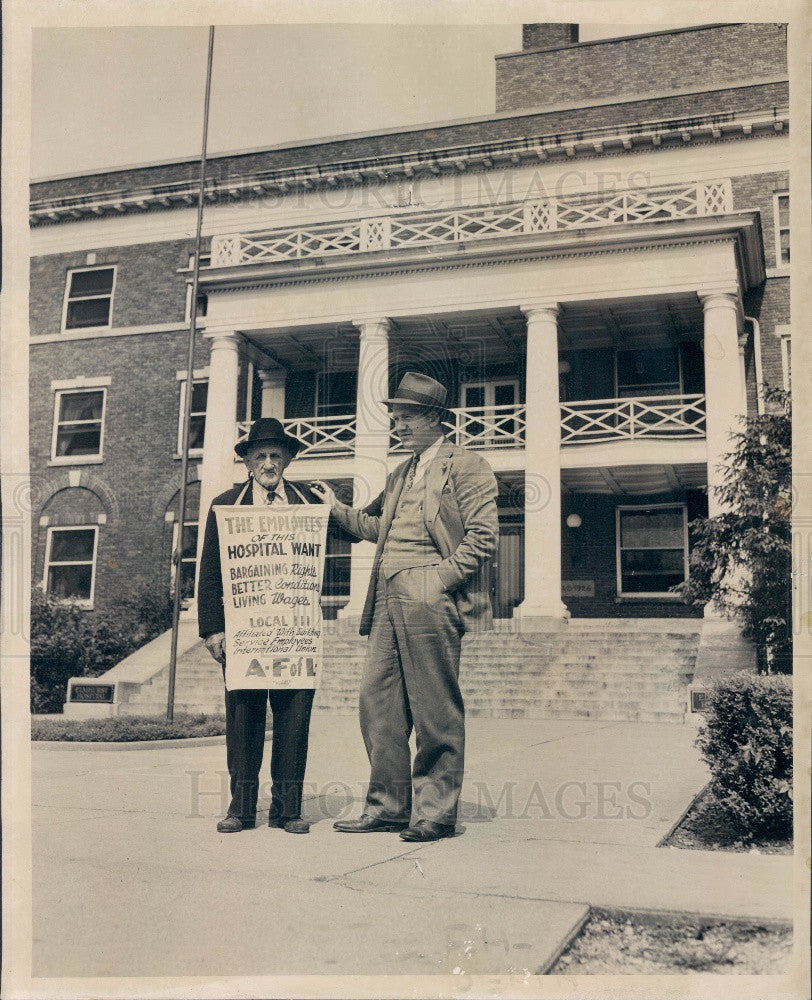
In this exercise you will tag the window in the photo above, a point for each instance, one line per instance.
(337, 560)
(202, 298)
(652, 549)
(781, 213)
(648, 372)
(197, 419)
(786, 355)
(501, 393)
(498, 427)
(188, 557)
(78, 432)
(335, 394)
(70, 564)
(89, 298)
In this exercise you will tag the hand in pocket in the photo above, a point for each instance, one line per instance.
(433, 585)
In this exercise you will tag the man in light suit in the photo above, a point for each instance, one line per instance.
(267, 452)
(436, 528)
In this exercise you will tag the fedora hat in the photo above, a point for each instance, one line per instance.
(267, 430)
(419, 390)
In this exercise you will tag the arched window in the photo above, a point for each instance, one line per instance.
(74, 519)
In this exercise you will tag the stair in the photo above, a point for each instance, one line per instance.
(598, 669)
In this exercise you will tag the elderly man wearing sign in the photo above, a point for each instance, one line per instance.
(267, 452)
(436, 528)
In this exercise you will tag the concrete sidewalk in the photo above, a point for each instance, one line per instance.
(131, 878)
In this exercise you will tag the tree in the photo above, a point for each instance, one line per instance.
(741, 560)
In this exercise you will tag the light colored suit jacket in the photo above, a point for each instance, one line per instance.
(459, 508)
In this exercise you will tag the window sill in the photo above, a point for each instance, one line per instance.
(197, 453)
(778, 272)
(650, 598)
(78, 460)
(86, 329)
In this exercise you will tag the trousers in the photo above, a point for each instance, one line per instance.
(411, 681)
(245, 743)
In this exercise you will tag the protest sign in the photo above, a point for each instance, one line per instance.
(271, 560)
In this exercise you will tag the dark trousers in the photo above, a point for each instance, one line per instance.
(245, 740)
(411, 679)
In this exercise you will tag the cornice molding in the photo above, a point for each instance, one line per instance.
(743, 227)
(478, 157)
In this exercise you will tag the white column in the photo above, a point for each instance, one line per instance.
(723, 384)
(371, 445)
(721, 641)
(273, 392)
(218, 470)
(542, 504)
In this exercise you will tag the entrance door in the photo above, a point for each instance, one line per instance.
(508, 571)
(497, 427)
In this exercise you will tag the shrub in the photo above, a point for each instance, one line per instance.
(747, 743)
(125, 728)
(67, 641)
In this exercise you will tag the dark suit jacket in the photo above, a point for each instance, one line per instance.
(210, 614)
(459, 509)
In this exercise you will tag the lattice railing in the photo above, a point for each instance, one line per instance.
(490, 426)
(480, 427)
(419, 229)
(323, 436)
(593, 420)
(586, 421)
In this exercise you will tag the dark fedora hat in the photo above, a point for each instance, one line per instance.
(416, 389)
(267, 430)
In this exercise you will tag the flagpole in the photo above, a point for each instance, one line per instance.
(187, 400)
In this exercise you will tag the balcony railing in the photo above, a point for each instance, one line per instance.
(443, 226)
(588, 421)
(323, 436)
(480, 427)
(654, 417)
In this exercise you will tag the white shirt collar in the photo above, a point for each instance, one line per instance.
(426, 458)
(263, 497)
(430, 452)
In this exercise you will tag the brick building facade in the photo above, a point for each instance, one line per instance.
(607, 254)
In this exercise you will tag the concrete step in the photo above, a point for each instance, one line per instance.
(592, 669)
(519, 681)
(529, 668)
(580, 649)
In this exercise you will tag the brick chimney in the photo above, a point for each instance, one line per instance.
(549, 36)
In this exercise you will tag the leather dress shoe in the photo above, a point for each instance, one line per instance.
(233, 824)
(291, 825)
(369, 824)
(424, 830)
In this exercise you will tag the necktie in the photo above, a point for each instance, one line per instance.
(412, 471)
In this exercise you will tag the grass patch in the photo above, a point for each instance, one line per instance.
(709, 827)
(629, 946)
(126, 728)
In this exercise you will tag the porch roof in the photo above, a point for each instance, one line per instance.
(481, 337)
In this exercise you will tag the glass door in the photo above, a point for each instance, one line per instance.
(492, 402)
